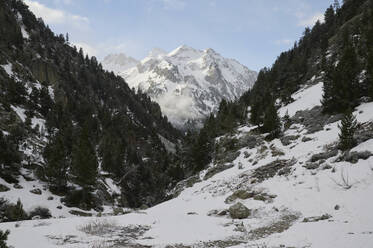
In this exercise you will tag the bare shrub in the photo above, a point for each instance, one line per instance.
(344, 181)
(100, 244)
(98, 227)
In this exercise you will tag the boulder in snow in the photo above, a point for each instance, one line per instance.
(239, 211)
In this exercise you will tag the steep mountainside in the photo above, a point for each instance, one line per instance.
(187, 83)
(71, 128)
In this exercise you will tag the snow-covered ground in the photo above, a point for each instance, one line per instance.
(306, 98)
(339, 190)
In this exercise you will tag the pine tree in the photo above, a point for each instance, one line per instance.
(287, 120)
(112, 151)
(328, 97)
(9, 153)
(202, 151)
(84, 161)
(347, 129)
(271, 122)
(4, 238)
(16, 212)
(369, 78)
(329, 18)
(369, 54)
(57, 162)
(341, 83)
(19, 212)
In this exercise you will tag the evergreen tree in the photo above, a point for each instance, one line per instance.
(329, 16)
(271, 122)
(202, 151)
(84, 161)
(57, 162)
(255, 114)
(369, 54)
(4, 238)
(9, 153)
(347, 129)
(16, 212)
(112, 150)
(287, 120)
(341, 83)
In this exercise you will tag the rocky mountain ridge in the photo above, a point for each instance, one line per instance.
(187, 83)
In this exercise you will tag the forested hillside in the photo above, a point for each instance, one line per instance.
(338, 52)
(341, 47)
(67, 122)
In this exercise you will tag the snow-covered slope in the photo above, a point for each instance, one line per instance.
(301, 190)
(187, 83)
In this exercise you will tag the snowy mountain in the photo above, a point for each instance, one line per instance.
(187, 83)
(119, 62)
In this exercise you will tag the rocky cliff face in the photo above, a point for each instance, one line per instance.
(187, 83)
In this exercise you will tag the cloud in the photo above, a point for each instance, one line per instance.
(101, 49)
(309, 21)
(87, 48)
(56, 16)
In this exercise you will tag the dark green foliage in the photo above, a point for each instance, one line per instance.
(287, 121)
(198, 148)
(271, 121)
(202, 150)
(4, 238)
(12, 212)
(329, 18)
(41, 212)
(347, 129)
(368, 23)
(82, 199)
(8, 151)
(341, 85)
(337, 38)
(84, 161)
(112, 151)
(57, 162)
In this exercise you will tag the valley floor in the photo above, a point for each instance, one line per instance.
(300, 192)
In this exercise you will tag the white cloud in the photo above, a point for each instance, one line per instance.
(56, 16)
(87, 48)
(309, 21)
(131, 48)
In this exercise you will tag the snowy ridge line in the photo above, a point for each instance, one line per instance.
(187, 83)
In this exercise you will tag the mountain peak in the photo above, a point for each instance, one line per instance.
(185, 83)
(182, 50)
(118, 62)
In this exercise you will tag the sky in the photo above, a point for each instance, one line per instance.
(254, 32)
